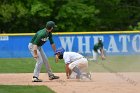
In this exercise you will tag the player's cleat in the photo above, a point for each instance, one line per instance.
(89, 75)
(53, 77)
(83, 78)
(78, 77)
(35, 79)
(73, 75)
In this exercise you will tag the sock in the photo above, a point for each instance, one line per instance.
(76, 70)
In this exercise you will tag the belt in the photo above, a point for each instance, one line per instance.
(78, 58)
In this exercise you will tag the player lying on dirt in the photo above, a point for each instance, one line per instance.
(74, 62)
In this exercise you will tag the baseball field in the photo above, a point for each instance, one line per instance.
(116, 74)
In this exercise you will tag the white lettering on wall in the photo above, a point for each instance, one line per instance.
(112, 45)
(123, 39)
(84, 42)
(67, 42)
(123, 43)
(136, 43)
(4, 38)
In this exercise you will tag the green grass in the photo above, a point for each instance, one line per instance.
(24, 89)
(26, 65)
(114, 63)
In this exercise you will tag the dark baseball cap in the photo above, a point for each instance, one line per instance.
(99, 40)
(50, 24)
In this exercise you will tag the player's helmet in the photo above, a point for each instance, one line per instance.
(60, 50)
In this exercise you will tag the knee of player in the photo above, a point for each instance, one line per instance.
(71, 66)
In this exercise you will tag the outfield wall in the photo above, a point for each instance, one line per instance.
(122, 43)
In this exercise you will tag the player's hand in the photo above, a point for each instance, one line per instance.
(103, 57)
(68, 77)
(35, 56)
(35, 52)
(56, 59)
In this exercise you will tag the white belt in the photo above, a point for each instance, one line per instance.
(78, 58)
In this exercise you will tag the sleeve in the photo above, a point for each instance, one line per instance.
(51, 39)
(95, 47)
(36, 39)
(102, 45)
(67, 59)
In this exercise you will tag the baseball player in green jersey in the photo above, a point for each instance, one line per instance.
(37, 51)
(98, 50)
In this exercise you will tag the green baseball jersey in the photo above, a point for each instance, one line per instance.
(41, 37)
(98, 46)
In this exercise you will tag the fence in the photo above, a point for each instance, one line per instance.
(122, 43)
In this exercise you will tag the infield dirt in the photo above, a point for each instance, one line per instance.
(127, 82)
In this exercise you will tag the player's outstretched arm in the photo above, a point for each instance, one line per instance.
(53, 47)
(68, 71)
(102, 54)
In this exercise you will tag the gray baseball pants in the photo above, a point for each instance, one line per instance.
(42, 58)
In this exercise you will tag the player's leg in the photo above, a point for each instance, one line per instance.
(83, 66)
(37, 68)
(38, 65)
(47, 65)
(73, 75)
(104, 50)
(79, 66)
(46, 62)
(74, 67)
(95, 55)
(39, 62)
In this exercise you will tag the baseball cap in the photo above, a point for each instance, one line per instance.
(99, 39)
(50, 24)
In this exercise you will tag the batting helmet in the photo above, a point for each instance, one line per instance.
(60, 50)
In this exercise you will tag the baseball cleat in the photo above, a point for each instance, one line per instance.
(89, 75)
(53, 77)
(35, 79)
(84, 78)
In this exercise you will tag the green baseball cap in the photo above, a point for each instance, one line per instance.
(99, 40)
(50, 24)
